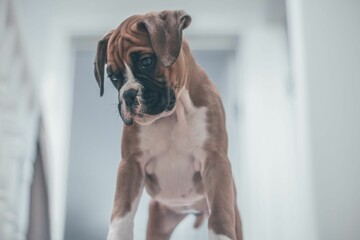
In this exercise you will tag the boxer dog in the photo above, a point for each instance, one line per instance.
(174, 139)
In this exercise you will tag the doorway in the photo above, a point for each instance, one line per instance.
(96, 134)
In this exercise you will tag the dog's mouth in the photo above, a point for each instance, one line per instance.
(126, 116)
(142, 113)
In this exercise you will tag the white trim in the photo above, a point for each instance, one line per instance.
(306, 222)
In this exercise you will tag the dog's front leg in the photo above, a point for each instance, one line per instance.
(129, 187)
(220, 192)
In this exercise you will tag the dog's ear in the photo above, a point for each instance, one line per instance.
(165, 31)
(100, 61)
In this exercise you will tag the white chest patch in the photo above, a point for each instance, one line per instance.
(173, 151)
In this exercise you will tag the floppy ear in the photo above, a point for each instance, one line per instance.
(100, 61)
(165, 31)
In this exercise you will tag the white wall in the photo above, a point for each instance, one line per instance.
(325, 38)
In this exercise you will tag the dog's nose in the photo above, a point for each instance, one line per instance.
(130, 96)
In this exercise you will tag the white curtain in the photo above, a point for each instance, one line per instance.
(19, 112)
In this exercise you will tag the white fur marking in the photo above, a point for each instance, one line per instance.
(173, 148)
(122, 228)
(130, 83)
(214, 236)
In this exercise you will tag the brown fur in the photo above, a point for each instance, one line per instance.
(145, 33)
(129, 179)
(198, 183)
(162, 221)
(152, 184)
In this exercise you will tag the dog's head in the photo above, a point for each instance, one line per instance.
(145, 63)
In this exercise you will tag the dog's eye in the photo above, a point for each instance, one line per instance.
(146, 63)
(114, 78)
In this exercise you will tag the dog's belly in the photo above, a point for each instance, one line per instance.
(174, 180)
(174, 154)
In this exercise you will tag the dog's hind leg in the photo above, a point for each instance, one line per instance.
(162, 221)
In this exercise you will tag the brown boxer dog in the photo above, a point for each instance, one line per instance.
(174, 139)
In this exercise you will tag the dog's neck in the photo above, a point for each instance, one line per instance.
(197, 82)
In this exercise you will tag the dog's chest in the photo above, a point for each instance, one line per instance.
(173, 156)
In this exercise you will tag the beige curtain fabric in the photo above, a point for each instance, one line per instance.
(39, 221)
(19, 121)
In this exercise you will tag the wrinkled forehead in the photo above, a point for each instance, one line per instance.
(125, 41)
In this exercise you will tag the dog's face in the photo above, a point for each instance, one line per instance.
(144, 62)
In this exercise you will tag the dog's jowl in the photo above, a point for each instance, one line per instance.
(174, 141)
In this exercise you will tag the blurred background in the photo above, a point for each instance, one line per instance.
(289, 75)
